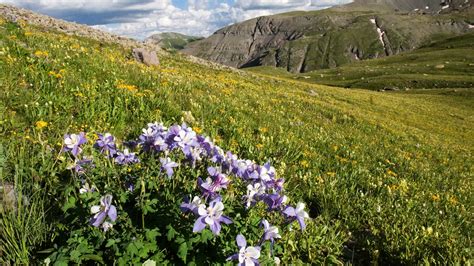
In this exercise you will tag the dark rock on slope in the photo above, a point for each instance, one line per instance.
(305, 41)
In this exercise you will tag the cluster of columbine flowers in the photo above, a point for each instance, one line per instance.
(261, 181)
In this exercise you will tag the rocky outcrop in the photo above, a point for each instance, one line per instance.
(146, 57)
(306, 41)
(16, 14)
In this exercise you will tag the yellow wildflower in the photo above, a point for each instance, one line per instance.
(304, 164)
(131, 88)
(259, 146)
(54, 74)
(390, 172)
(41, 124)
(198, 130)
(435, 197)
(453, 200)
(41, 53)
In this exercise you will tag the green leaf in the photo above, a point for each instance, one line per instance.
(93, 257)
(132, 249)
(110, 243)
(70, 203)
(152, 234)
(183, 251)
(171, 232)
(75, 254)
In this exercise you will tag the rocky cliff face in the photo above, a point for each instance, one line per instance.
(305, 41)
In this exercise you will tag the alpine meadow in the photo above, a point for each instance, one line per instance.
(105, 160)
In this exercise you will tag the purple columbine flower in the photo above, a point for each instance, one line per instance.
(191, 205)
(266, 172)
(229, 159)
(206, 144)
(219, 179)
(297, 213)
(213, 184)
(168, 165)
(212, 216)
(80, 166)
(270, 232)
(193, 154)
(185, 138)
(241, 168)
(102, 211)
(276, 184)
(106, 144)
(247, 256)
(126, 157)
(150, 134)
(87, 189)
(72, 143)
(275, 201)
(206, 187)
(217, 155)
(160, 144)
(254, 193)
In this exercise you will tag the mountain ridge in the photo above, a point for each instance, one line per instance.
(171, 40)
(305, 41)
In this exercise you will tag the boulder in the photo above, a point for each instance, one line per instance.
(8, 197)
(146, 57)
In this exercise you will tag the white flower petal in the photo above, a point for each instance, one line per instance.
(95, 209)
(252, 252)
(209, 220)
(202, 210)
(219, 207)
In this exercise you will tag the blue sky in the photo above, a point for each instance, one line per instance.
(141, 18)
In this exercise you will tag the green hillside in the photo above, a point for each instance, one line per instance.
(171, 40)
(386, 178)
(446, 63)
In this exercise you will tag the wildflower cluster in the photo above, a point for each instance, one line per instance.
(258, 183)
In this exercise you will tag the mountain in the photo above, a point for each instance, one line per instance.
(171, 40)
(306, 41)
(431, 6)
(443, 64)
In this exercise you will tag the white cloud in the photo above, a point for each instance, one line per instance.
(141, 18)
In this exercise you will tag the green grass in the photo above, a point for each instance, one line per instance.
(446, 63)
(387, 177)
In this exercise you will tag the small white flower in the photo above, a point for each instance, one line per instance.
(300, 210)
(106, 226)
(212, 213)
(71, 141)
(247, 254)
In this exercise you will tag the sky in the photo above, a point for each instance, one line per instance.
(141, 18)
